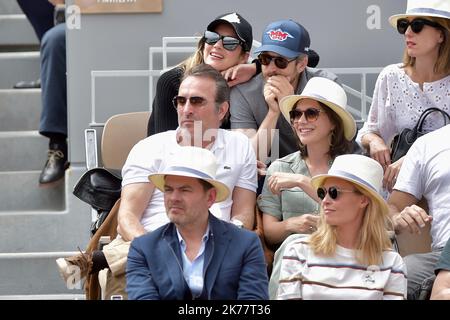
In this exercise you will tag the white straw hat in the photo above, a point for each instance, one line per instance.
(358, 169)
(329, 93)
(424, 8)
(192, 162)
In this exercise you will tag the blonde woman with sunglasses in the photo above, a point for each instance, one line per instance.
(350, 255)
(225, 46)
(403, 91)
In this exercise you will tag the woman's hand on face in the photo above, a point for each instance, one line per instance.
(239, 74)
(283, 180)
(380, 152)
(306, 223)
(391, 174)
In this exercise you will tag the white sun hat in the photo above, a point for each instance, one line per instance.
(192, 162)
(424, 8)
(358, 169)
(329, 93)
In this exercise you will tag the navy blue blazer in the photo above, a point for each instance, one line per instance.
(234, 265)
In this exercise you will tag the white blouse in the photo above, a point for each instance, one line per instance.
(398, 103)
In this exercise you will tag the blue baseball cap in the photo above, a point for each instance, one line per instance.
(286, 37)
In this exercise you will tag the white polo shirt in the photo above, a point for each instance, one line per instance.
(237, 168)
(425, 172)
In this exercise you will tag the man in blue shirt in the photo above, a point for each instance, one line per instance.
(196, 255)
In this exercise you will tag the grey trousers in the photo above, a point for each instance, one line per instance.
(420, 267)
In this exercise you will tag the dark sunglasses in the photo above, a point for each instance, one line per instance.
(180, 101)
(311, 114)
(416, 25)
(229, 43)
(280, 62)
(332, 191)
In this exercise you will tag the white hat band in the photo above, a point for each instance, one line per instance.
(426, 11)
(201, 175)
(345, 174)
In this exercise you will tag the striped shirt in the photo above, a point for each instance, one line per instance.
(304, 275)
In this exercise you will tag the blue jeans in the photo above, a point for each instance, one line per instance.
(53, 81)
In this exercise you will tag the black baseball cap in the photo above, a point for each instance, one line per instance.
(241, 26)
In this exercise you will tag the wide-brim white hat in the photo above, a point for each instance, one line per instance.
(192, 162)
(358, 169)
(329, 93)
(424, 8)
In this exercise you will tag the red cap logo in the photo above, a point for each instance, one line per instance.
(278, 35)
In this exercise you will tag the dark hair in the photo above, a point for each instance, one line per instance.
(339, 144)
(205, 184)
(206, 71)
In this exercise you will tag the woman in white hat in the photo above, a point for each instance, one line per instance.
(350, 255)
(324, 130)
(403, 91)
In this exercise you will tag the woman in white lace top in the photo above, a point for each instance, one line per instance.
(403, 91)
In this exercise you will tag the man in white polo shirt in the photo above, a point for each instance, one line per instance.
(425, 173)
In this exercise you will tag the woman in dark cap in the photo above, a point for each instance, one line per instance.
(225, 44)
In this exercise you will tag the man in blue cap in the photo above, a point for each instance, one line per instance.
(254, 105)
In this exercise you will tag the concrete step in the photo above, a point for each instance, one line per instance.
(10, 7)
(20, 109)
(32, 240)
(30, 226)
(20, 191)
(26, 151)
(33, 276)
(16, 30)
(18, 66)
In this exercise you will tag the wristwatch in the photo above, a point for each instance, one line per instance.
(238, 223)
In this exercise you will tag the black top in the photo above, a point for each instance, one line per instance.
(164, 116)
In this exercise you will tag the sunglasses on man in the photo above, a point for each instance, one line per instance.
(280, 62)
(180, 101)
(311, 114)
(228, 43)
(332, 191)
(416, 25)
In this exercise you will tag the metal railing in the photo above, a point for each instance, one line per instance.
(188, 45)
(362, 95)
(37, 255)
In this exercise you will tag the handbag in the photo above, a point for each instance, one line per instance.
(403, 141)
(100, 188)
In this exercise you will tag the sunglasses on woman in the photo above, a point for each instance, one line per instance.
(416, 25)
(228, 43)
(280, 62)
(332, 191)
(311, 114)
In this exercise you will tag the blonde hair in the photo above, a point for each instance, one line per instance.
(442, 64)
(373, 237)
(195, 59)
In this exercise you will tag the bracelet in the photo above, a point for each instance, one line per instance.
(258, 66)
